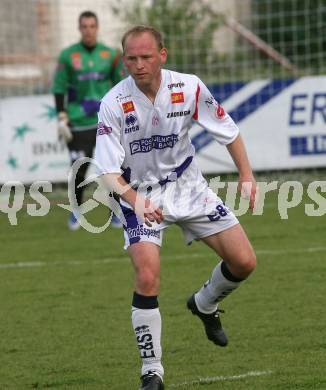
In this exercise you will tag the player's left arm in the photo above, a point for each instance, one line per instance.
(247, 182)
(211, 115)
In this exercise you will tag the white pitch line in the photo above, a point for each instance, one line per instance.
(37, 264)
(214, 379)
(285, 251)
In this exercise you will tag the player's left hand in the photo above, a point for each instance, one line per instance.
(152, 213)
(248, 189)
(148, 211)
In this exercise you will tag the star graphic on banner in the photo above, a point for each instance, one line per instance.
(50, 113)
(33, 167)
(20, 131)
(12, 162)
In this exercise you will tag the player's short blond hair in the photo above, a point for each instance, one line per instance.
(143, 29)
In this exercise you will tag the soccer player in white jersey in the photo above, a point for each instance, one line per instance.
(146, 157)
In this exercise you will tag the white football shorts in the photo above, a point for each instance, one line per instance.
(188, 202)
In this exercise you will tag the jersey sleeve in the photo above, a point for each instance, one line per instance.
(61, 75)
(109, 153)
(212, 116)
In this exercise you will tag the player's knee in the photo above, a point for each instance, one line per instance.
(247, 264)
(147, 282)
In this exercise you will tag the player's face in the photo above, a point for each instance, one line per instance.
(88, 28)
(144, 60)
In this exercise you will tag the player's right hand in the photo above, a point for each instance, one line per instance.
(64, 132)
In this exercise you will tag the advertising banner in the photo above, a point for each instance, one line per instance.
(29, 146)
(283, 124)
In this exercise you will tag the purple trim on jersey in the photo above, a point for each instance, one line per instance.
(177, 172)
(126, 174)
(91, 76)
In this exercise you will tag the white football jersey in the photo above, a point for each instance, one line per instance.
(149, 142)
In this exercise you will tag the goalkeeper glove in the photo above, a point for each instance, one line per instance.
(64, 131)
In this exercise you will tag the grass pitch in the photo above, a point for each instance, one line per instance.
(65, 308)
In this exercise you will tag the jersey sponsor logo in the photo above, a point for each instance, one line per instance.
(155, 121)
(76, 64)
(177, 114)
(158, 142)
(176, 85)
(210, 102)
(177, 97)
(91, 76)
(120, 98)
(103, 129)
(220, 113)
(131, 129)
(131, 121)
(128, 107)
(76, 60)
(219, 110)
(105, 54)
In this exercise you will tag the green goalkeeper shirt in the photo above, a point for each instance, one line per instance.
(85, 75)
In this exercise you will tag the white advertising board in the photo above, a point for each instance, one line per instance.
(283, 124)
(29, 147)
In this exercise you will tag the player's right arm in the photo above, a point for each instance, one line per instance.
(143, 207)
(61, 75)
(109, 155)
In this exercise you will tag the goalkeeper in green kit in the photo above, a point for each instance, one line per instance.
(85, 71)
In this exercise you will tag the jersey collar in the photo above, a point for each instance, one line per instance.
(137, 92)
